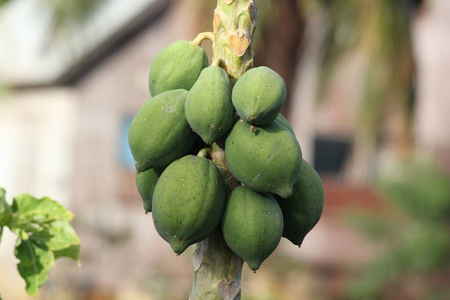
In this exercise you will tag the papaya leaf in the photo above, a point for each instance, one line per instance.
(40, 211)
(34, 265)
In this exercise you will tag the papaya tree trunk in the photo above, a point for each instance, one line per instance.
(217, 270)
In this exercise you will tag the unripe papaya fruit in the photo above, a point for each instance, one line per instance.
(176, 67)
(259, 95)
(159, 132)
(188, 201)
(302, 211)
(145, 183)
(266, 159)
(283, 121)
(252, 225)
(209, 110)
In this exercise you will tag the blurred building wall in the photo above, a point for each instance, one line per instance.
(431, 41)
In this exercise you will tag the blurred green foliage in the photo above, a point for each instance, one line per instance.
(379, 31)
(415, 235)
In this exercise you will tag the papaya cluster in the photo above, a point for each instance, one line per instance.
(194, 105)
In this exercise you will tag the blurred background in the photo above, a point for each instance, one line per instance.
(369, 98)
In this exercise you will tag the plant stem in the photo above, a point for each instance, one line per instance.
(234, 26)
(217, 270)
(203, 36)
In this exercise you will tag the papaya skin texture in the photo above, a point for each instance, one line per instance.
(283, 121)
(209, 110)
(188, 202)
(266, 159)
(176, 67)
(259, 95)
(252, 225)
(159, 132)
(303, 210)
(145, 183)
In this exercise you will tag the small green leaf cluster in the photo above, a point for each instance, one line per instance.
(43, 235)
(248, 178)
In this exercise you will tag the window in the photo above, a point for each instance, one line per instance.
(126, 159)
(330, 154)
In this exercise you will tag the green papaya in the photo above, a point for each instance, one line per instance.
(258, 95)
(145, 183)
(188, 201)
(159, 132)
(302, 211)
(283, 121)
(266, 159)
(209, 110)
(176, 67)
(252, 225)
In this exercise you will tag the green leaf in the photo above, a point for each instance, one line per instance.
(2, 195)
(60, 238)
(63, 236)
(72, 252)
(44, 235)
(34, 265)
(5, 211)
(40, 211)
(4, 206)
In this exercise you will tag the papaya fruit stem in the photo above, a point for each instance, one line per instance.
(205, 152)
(217, 269)
(215, 62)
(203, 36)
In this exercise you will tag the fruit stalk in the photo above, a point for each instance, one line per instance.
(217, 270)
(233, 27)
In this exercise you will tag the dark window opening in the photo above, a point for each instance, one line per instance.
(126, 159)
(330, 154)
